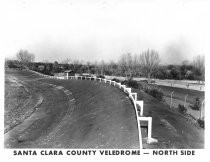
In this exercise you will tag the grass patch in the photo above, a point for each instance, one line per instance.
(116, 80)
(155, 93)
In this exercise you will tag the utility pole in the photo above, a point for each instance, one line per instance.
(171, 99)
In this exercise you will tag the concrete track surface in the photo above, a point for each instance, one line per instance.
(75, 114)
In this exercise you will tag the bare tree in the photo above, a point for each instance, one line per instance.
(126, 64)
(88, 66)
(199, 67)
(111, 66)
(45, 61)
(25, 57)
(95, 64)
(136, 65)
(149, 61)
(101, 66)
(66, 61)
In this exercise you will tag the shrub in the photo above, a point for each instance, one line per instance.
(144, 81)
(116, 80)
(155, 93)
(200, 123)
(146, 90)
(197, 104)
(125, 82)
(131, 83)
(101, 76)
(182, 109)
(140, 86)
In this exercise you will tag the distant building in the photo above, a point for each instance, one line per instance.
(69, 73)
(86, 74)
(58, 74)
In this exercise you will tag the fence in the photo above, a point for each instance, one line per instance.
(174, 97)
(186, 84)
(175, 102)
(138, 105)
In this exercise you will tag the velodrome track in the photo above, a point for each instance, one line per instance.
(91, 114)
(75, 114)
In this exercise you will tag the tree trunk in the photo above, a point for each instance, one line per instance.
(148, 77)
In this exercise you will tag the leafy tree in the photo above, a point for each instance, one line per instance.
(56, 67)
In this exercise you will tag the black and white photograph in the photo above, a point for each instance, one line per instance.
(112, 77)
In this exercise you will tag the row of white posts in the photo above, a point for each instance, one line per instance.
(138, 105)
(185, 101)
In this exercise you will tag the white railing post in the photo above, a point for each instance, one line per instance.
(139, 128)
(123, 86)
(141, 105)
(149, 135)
(202, 108)
(149, 127)
(135, 95)
(110, 82)
(67, 75)
(128, 90)
(171, 98)
(185, 99)
(119, 85)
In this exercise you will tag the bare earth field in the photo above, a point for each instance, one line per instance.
(19, 101)
(95, 115)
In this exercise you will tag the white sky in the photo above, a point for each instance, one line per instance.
(92, 30)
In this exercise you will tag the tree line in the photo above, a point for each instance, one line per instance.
(146, 64)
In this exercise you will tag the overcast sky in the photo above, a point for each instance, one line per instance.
(92, 30)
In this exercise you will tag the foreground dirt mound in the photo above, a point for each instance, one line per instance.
(20, 101)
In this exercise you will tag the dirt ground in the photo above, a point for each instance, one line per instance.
(20, 101)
